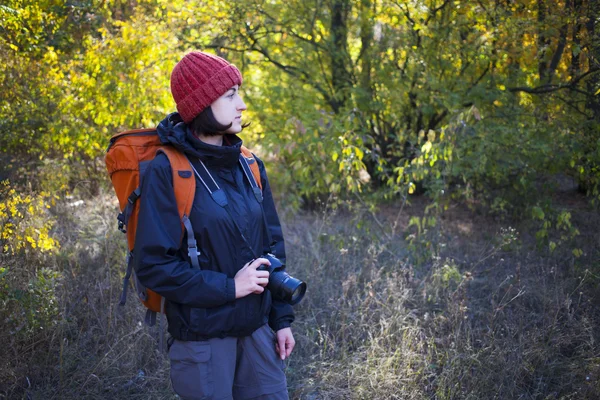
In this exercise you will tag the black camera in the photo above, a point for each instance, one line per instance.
(281, 284)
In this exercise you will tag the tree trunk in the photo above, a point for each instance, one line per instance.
(542, 41)
(340, 60)
(575, 66)
(366, 39)
(593, 82)
(588, 181)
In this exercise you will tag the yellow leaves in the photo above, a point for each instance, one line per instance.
(399, 174)
(431, 135)
(359, 153)
(525, 99)
(426, 147)
(24, 221)
(31, 241)
(50, 56)
(7, 231)
(411, 188)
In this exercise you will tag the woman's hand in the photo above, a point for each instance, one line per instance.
(285, 342)
(248, 280)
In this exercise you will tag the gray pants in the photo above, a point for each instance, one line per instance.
(229, 368)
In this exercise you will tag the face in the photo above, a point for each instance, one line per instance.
(228, 109)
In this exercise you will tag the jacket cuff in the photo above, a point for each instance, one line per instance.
(230, 289)
(281, 324)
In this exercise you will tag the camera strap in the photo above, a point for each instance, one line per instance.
(269, 244)
(219, 196)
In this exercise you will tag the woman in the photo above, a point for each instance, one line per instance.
(229, 336)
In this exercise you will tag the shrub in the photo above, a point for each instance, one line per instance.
(27, 285)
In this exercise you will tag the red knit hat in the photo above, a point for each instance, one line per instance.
(198, 80)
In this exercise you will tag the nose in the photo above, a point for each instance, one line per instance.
(241, 105)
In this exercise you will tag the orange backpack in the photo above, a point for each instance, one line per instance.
(127, 156)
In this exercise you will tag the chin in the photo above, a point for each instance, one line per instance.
(234, 129)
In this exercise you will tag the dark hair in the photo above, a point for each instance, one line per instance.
(205, 123)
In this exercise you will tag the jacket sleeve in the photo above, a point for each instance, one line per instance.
(282, 314)
(158, 261)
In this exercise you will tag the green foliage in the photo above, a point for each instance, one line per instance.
(27, 285)
(36, 38)
(407, 85)
(555, 229)
(349, 95)
(585, 159)
(445, 279)
(29, 307)
(422, 238)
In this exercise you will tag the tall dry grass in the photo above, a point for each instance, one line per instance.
(469, 310)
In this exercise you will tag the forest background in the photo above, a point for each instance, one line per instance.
(436, 164)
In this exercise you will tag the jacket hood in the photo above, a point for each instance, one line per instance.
(172, 130)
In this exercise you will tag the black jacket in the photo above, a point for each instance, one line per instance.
(201, 303)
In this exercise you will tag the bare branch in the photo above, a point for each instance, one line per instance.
(574, 107)
(435, 10)
(476, 82)
(405, 11)
(292, 32)
(572, 85)
(291, 70)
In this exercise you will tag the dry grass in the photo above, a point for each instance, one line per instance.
(486, 316)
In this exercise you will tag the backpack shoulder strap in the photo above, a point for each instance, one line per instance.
(252, 164)
(184, 183)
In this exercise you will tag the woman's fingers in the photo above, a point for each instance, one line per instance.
(285, 342)
(251, 280)
(258, 262)
(289, 346)
(258, 289)
(262, 281)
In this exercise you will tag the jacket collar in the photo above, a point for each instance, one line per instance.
(172, 130)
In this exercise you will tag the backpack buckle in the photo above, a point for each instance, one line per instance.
(121, 219)
(134, 196)
(193, 252)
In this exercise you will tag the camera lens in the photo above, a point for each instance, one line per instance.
(282, 285)
(286, 288)
(298, 293)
